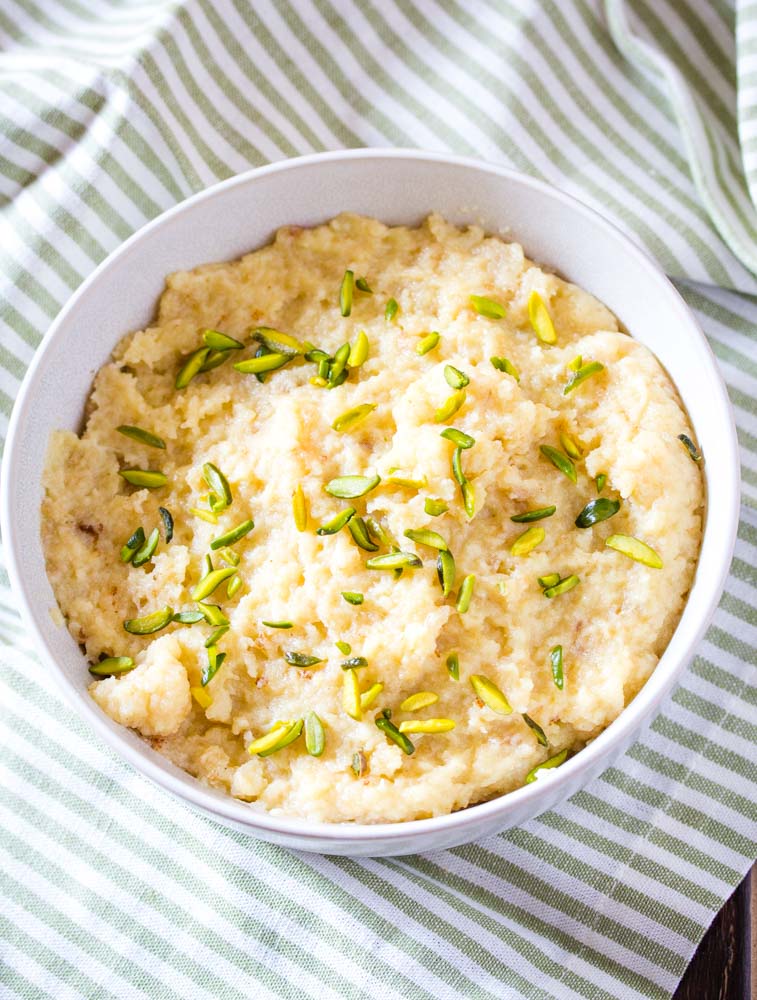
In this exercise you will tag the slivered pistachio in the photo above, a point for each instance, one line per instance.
(233, 586)
(343, 647)
(345, 292)
(391, 310)
(188, 617)
(133, 544)
(533, 515)
(361, 538)
(191, 367)
(295, 659)
(394, 560)
(112, 666)
(148, 478)
(694, 452)
(469, 498)
(445, 571)
(217, 483)
(560, 461)
(424, 536)
(368, 697)
(597, 510)
(504, 365)
(354, 663)
(351, 487)
(564, 585)
(584, 372)
(278, 342)
(395, 477)
(214, 360)
(426, 726)
(427, 343)
(575, 364)
(167, 519)
(392, 732)
(458, 437)
(215, 635)
(337, 522)
(421, 699)
(351, 695)
(359, 763)
(281, 624)
(549, 580)
(570, 446)
(528, 541)
(450, 406)
(551, 762)
(233, 535)
(289, 736)
(339, 364)
(453, 666)
(201, 696)
(485, 306)
(149, 623)
(146, 552)
(465, 594)
(359, 350)
(352, 597)
(363, 286)
(300, 509)
(315, 735)
(143, 436)
(324, 367)
(204, 515)
(541, 321)
(218, 341)
(208, 584)
(215, 659)
(213, 614)
(316, 355)
(264, 363)
(377, 532)
(457, 466)
(348, 420)
(490, 694)
(556, 662)
(207, 565)
(635, 549)
(271, 738)
(455, 378)
(434, 507)
(600, 482)
(537, 730)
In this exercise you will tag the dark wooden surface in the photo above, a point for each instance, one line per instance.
(720, 969)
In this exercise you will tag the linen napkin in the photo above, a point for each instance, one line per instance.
(110, 112)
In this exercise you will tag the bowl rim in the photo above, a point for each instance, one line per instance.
(643, 705)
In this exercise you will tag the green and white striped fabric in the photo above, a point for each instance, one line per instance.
(113, 110)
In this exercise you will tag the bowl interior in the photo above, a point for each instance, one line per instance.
(396, 187)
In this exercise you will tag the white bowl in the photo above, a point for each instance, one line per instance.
(396, 186)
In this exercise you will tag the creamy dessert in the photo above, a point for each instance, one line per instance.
(375, 522)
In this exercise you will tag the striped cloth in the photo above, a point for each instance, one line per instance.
(112, 111)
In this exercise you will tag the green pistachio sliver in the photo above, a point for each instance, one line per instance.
(450, 406)
(485, 306)
(149, 623)
(214, 360)
(455, 378)
(278, 342)
(143, 436)
(233, 586)
(434, 507)
(353, 597)
(377, 532)
(229, 556)
(570, 446)
(354, 663)
(446, 571)
(427, 343)
(147, 551)
(351, 418)
(566, 584)
(556, 662)
(336, 523)
(457, 466)
(305, 660)
(453, 666)
(388, 728)
(207, 565)
(359, 350)
(600, 482)
(345, 292)
(575, 364)
(391, 310)
(469, 498)
(359, 764)
(351, 487)
(148, 478)
(218, 341)
(504, 365)
(551, 762)
(540, 319)
(289, 736)
(357, 528)
(597, 510)
(300, 508)
(635, 549)
(549, 580)
(189, 617)
(694, 452)
(343, 647)
(112, 666)
(204, 515)
(215, 635)
(317, 355)
(490, 694)
(213, 614)
(533, 515)
(278, 624)
(584, 372)
(191, 367)
(465, 594)
(233, 535)
(394, 560)
(214, 579)
(528, 541)
(315, 735)
(215, 659)
(424, 536)
(362, 285)
(538, 732)
(397, 479)
(339, 364)
(133, 544)
(560, 461)
(167, 519)
(458, 437)
(218, 483)
(265, 363)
